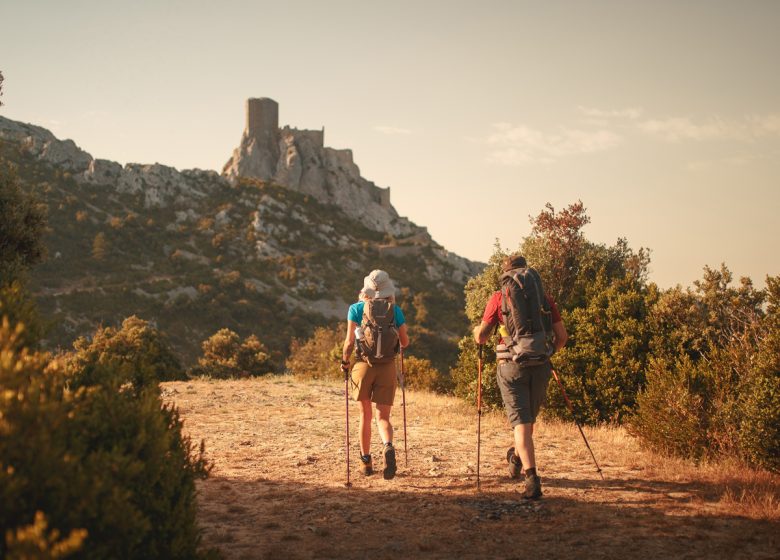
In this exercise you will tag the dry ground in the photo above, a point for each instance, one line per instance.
(277, 488)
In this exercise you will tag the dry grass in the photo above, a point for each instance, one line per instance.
(277, 488)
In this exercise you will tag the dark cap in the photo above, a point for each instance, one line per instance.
(513, 261)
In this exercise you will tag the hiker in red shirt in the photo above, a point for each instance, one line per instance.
(523, 362)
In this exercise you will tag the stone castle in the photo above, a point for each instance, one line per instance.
(299, 159)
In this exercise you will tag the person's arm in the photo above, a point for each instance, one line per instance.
(403, 336)
(482, 332)
(349, 342)
(560, 335)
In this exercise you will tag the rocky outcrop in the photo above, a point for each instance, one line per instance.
(296, 159)
(159, 185)
(299, 160)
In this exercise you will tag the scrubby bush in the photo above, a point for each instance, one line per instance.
(225, 355)
(714, 387)
(93, 452)
(605, 360)
(137, 352)
(419, 373)
(317, 357)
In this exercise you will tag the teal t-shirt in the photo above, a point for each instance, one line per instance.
(355, 313)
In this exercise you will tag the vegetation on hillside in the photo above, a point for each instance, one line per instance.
(237, 257)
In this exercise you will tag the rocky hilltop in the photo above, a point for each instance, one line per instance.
(289, 228)
(299, 160)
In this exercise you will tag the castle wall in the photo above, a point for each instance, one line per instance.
(314, 137)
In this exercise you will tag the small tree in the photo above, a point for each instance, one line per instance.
(225, 356)
(317, 357)
(138, 350)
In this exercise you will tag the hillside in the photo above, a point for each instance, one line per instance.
(194, 251)
(277, 486)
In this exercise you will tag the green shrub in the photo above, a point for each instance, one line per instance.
(604, 362)
(92, 452)
(720, 395)
(319, 356)
(225, 355)
(137, 352)
(419, 373)
(671, 417)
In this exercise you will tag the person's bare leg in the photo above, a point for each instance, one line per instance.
(524, 445)
(383, 422)
(365, 427)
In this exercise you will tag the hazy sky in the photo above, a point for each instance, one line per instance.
(662, 117)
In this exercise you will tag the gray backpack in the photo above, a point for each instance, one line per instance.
(380, 342)
(527, 317)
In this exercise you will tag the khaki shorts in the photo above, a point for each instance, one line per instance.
(375, 383)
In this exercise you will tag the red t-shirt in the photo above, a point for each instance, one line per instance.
(493, 314)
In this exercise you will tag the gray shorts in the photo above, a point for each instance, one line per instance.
(524, 390)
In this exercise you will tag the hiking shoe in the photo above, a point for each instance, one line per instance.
(514, 462)
(390, 466)
(368, 465)
(533, 488)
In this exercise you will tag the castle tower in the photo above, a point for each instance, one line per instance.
(262, 117)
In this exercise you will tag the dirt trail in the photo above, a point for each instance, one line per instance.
(277, 488)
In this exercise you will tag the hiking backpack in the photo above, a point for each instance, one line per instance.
(527, 317)
(380, 342)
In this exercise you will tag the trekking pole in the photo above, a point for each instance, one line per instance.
(479, 408)
(403, 402)
(571, 409)
(346, 402)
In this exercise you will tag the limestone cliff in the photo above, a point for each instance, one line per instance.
(158, 185)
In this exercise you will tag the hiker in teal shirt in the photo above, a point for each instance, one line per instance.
(373, 376)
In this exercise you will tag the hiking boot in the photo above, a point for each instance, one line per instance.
(533, 487)
(514, 462)
(390, 466)
(367, 465)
